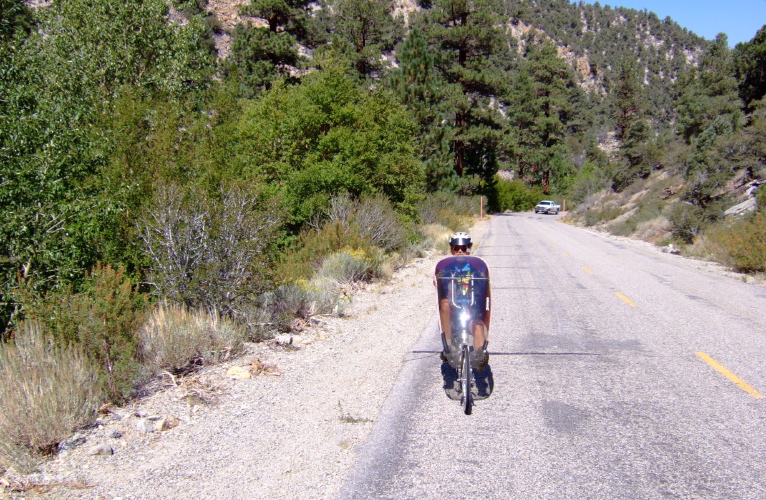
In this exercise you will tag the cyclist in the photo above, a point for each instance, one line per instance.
(468, 272)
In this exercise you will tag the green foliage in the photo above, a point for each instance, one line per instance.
(742, 244)
(449, 210)
(329, 135)
(368, 28)
(15, 17)
(473, 57)
(314, 246)
(688, 220)
(749, 61)
(349, 266)
(57, 86)
(102, 319)
(589, 180)
(628, 99)
(421, 89)
(708, 92)
(539, 104)
(261, 56)
(47, 391)
(515, 196)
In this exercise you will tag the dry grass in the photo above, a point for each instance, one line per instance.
(176, 339)
(654, 230)
(46, 392)
(435, 235)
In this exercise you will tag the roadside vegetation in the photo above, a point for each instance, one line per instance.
(168, 197)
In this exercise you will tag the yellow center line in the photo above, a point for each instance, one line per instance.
(566, 254)
(588, 270)
(554, 245)
(627, 300)
(728, 374)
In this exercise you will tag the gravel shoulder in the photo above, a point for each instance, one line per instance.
(290, 431)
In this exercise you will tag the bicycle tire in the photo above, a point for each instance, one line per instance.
(467, 398)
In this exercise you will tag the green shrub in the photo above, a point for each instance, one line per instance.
(688, 220)
(448, 209)
(47, 391)
(176, 339)
(102, 319)
(350, 265)
(515, 196)
(313, 247)
(742, 244)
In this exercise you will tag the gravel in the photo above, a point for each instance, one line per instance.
(290, 431)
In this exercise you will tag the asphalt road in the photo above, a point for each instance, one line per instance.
(622, 373)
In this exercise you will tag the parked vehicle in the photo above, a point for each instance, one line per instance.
(547, 207)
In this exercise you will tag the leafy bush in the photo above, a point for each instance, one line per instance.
(175, 339)
(207, 252)
(102, 319)
(515, 196)
(350, 265)
(448, 209)
(314, 246)
(372, 217)
(47, 391)
(689, 220)
(742, 244)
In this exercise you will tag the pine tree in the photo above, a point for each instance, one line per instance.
(473, 57)
(628, 105)
(421, 90)
(260, 55)
(750, 67)
(545, 102)
(369, 28)
(708, 91)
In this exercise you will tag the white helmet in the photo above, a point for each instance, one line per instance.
(460, 239)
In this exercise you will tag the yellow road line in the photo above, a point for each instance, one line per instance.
(627, 300)
(566, 254)
(554, 245)
(728, 374)
(588, 270)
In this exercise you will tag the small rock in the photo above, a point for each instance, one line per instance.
(166, 423)
(284, 339)
(115, 434)
(238, 372)
(72, 442)
(101, 449)
(145, 426)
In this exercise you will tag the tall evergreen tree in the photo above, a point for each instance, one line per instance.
(369, 28)
(473, 56)
(539, 104)
(750, 66)
(709, 91)
(421, 89)
(261, 54)
(628, 101)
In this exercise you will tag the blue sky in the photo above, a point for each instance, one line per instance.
(739, 19)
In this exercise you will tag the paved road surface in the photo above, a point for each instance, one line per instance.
(629, 374)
